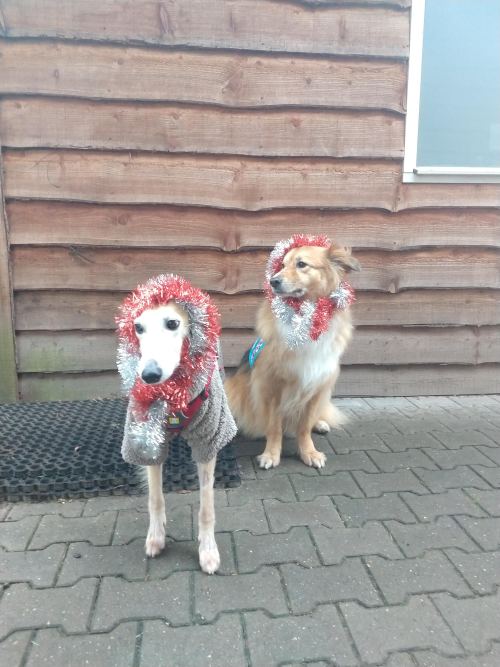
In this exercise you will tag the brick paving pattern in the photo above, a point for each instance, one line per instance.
(390, 555)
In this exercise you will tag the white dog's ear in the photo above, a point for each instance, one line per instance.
(341, 257)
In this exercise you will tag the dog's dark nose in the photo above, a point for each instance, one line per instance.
(151, 373)
(275, 282)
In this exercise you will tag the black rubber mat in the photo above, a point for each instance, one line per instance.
(71, 449)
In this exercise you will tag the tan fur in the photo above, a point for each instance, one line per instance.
(271, 399)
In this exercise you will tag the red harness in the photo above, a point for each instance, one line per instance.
(177, 421)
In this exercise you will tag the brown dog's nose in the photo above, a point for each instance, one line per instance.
(275, 282)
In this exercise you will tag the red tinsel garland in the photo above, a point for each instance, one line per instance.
(157, 292)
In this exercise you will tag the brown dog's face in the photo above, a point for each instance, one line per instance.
(313, 272)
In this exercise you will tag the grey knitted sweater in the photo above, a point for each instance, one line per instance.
(211, 428)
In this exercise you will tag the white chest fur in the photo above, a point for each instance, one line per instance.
(315, 361)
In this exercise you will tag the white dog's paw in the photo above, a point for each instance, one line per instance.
(209, 560)
(321, 426)
(313, 458)
(155, 541)
(268, 460)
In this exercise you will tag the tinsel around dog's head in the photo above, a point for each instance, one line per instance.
(199, 352)
(275, 261)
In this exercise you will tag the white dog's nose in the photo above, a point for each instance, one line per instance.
(151, 373)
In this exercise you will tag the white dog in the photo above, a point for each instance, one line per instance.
(168, 359)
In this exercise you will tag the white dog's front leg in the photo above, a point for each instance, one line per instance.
(155, 540)
(209, 553)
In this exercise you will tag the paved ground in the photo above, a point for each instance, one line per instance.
(388, 556)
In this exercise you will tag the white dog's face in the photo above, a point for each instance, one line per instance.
(161, 332)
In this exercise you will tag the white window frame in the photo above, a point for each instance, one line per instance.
(412, 173)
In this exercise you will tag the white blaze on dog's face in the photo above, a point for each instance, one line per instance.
(161, 332)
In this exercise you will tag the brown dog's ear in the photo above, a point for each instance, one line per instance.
(342, 257)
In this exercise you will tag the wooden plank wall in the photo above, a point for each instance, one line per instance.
(189, 136)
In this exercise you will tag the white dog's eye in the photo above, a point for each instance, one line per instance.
(139, 329)
(172, 324)
(301, 264)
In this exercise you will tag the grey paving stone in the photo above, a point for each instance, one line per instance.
(132, 525)
(453, 501)
(375, 484)
(475, 401)
(249, 517)
(492, 434)
(411, 458)
(339, 484)
(440, 480)
(252, 551)
(390, 403)
(15, 535)
(474, 620)
(25, 608)
(179, 556)
(356, 512)
(247, 468)
(13, 648)
(431, 572)
(4, 509)
(216, 645)
(342, 444)
(309, 587)
(116, 649)
(275, 487)
(491, 475)
(335, 544)
(55, 528)
(417, 538)
(85, 560)
(451, 458)
(462, 438)
(416, 624)
(492, 453)
(481, 570)
(317, 636)
(420, 422)
(260, 590)
(62, 507)
(95, 506)
(430, 659)
(490, 500)
(37, 567)
(283, 516)
(121, 600)
(367, 426)
(485, 532)
(400, 443)
(432, 402)
(357, 460)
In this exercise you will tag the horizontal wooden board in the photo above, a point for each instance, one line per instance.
(246, 24)
(57, 223)
(434, 380)
(228, 79)
(67, 123)
(114, 269)
(416, 195)
(250, 183)
(47, 352)
(62, 310)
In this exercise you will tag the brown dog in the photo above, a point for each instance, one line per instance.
(285, 382)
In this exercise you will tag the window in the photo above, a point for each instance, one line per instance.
(453, 107)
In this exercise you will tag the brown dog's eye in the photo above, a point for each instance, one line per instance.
(139, 329)
(301, 264)
(172, 325)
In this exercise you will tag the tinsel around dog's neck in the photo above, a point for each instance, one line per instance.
(304, 320)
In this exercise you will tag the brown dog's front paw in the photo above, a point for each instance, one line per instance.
(313, 458)
(268, 460)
